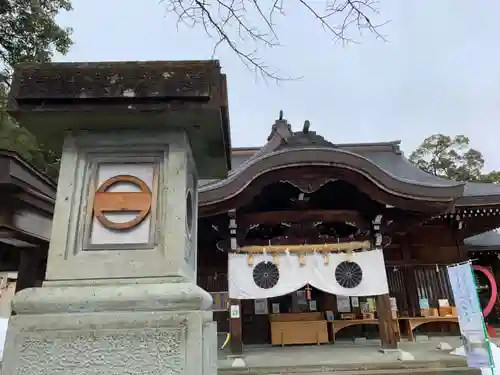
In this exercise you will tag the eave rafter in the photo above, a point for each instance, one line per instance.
(327, 216)
(470, 220)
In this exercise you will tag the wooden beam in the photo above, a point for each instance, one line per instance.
(276, 217)
(297, 240)
(308, 248)
(404, 225)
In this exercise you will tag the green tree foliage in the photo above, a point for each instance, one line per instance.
(452, 158)
(28, 33)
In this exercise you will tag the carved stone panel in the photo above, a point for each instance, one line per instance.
(124, 198)
(132, 352)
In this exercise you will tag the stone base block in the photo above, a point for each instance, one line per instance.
(421, 338)
(388, 351)
(444, 346)
(111, 343)
(405, 356)
(360, 340)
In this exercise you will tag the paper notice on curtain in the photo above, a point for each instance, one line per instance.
(276, 308)
(423, 303)
(355, 275)
(443, 303)
(355, 301)
(365, 307)
(394, 304)
(301, 297)
(372, 304)
(235, 311)
(343, 304)
(470, 317)
(260, 306)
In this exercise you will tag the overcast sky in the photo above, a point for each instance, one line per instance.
(438, 72)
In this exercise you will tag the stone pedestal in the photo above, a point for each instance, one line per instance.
(151, 329)
(120, 295)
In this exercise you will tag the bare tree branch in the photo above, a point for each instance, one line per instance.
(235, 23)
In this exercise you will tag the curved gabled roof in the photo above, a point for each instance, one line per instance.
(394, 180)
(383, 163)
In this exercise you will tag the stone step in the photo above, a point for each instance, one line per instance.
(456, 366)
(402, 371)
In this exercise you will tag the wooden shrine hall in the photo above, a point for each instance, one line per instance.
(307, 240)
(27, 199)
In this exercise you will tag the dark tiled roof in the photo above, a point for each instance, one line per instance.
(481, 188)
(386, 156)
(484, 241)
(396, 164)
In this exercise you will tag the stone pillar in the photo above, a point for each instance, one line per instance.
(120, 294)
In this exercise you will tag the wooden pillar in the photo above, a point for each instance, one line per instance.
(28, 273)
(457, 224)
(409, 277)
(235, 329)
(386, 324)
(495, 267)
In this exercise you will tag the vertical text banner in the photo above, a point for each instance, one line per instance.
(470, 316)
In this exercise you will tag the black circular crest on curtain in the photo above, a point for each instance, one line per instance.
(266, 275)
(348, 274)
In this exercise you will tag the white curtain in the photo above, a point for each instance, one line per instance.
(294, 276)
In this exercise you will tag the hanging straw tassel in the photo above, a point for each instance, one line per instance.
(275, 258)
(302, 259)
(308, 292)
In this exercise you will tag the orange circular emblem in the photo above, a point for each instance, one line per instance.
(110, 201)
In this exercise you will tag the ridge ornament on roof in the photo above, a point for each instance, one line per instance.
(305, 138)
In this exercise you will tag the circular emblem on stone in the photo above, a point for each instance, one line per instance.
(266, 275)
(106, 201)
(348, 274)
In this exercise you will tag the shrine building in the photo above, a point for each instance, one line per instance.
(308, 241)
(305, 242)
